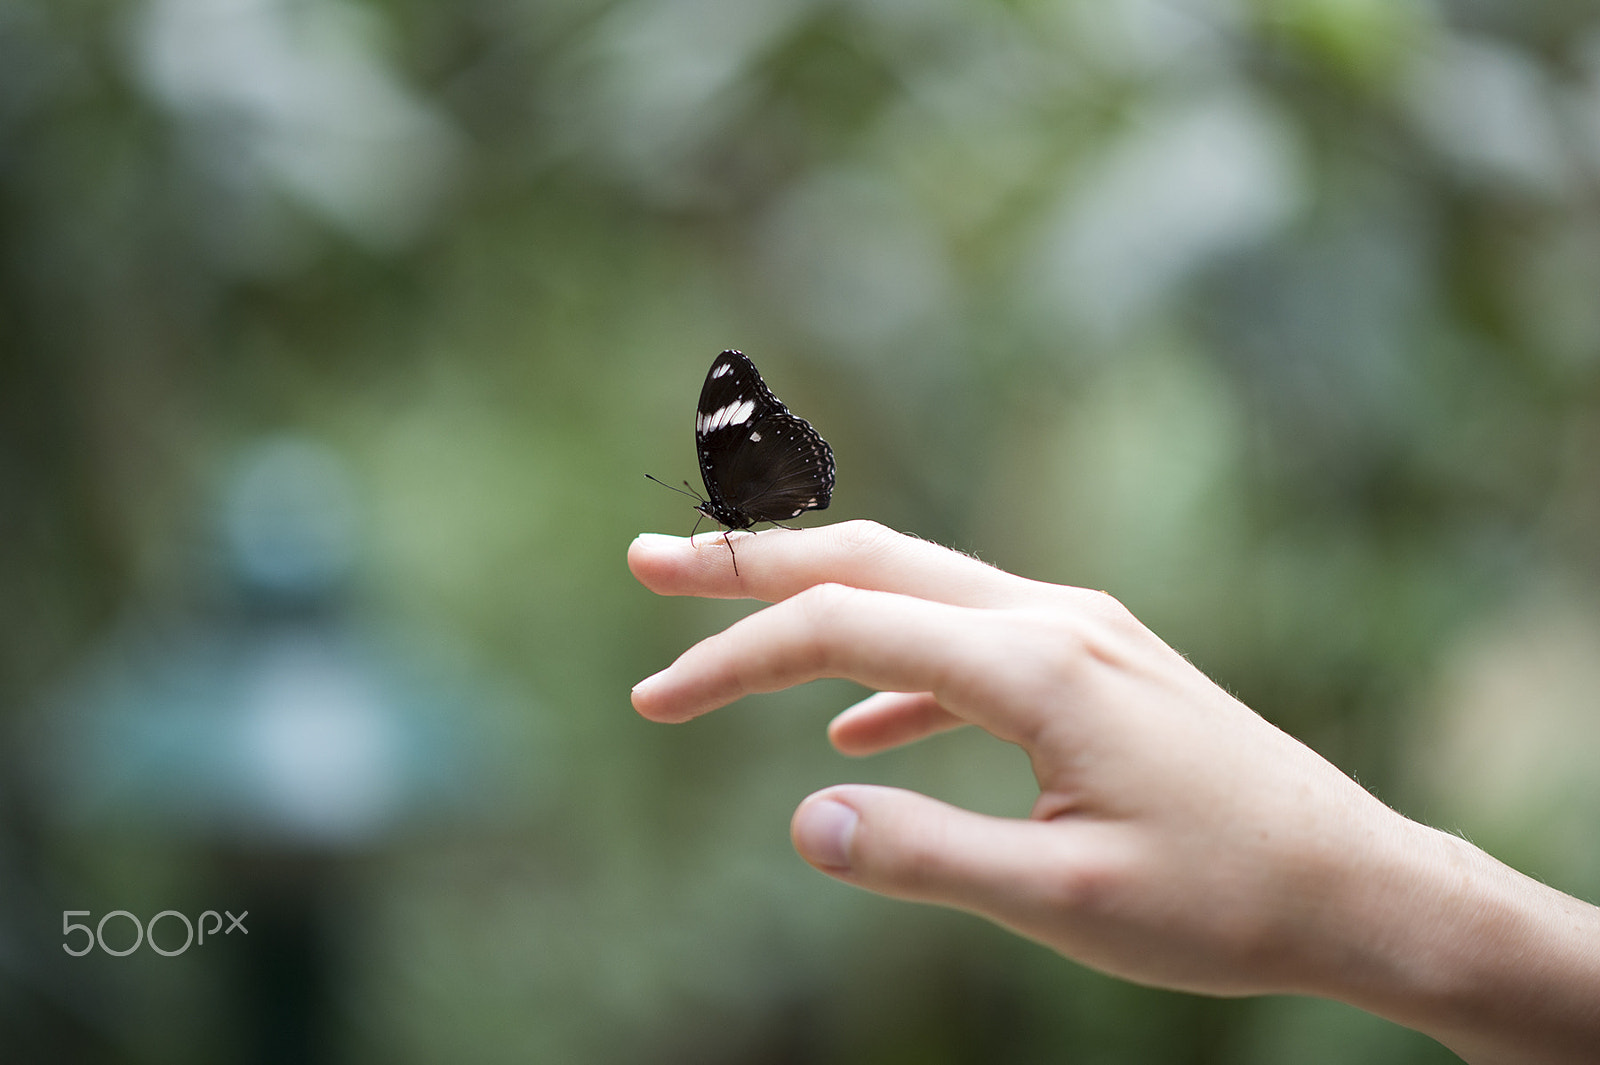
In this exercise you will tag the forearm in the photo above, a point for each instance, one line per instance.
(1498, 967)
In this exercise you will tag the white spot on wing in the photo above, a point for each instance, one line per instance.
(722, 371)
(754, 437)
(733, 414)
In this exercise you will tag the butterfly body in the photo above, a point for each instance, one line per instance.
(759, 462)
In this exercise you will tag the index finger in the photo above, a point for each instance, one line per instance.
(779, 563)
(880, 639)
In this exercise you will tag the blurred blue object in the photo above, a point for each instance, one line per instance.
(272, 713)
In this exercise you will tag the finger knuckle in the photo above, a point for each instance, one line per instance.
(864, 535)
(821, 607)
(1097, 606)
(1087, 883)
(1088, 889)
(1065, 649)
(822, 601)
(1091, 626)
(1111, 611)
(1062, 637)
(917, 864)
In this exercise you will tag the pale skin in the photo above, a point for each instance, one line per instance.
(1178, 840)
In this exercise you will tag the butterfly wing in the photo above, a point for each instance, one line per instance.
(759, 462)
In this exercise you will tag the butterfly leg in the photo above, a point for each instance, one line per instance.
(731, 553)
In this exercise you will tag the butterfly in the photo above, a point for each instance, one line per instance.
(759, 462)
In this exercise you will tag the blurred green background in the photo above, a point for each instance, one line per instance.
(336, 336)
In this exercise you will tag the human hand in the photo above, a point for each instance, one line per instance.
(1178, 839)
(1176, 833)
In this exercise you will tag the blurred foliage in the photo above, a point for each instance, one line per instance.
(1276, 318)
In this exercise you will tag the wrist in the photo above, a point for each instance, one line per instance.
(1451, 942)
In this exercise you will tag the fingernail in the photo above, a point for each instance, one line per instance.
(650, 539)
(823, 831)
(649, 681)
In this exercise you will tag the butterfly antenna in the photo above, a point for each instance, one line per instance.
(691, 493)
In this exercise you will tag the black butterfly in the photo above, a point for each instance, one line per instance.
(758, 461)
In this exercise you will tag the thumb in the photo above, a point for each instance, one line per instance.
(909, 846)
